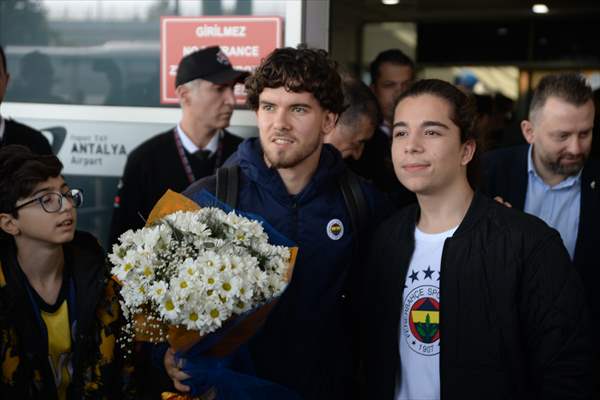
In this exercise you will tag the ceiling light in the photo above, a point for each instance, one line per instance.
(390, 2)
(540, 9)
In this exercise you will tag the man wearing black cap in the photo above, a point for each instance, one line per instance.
(193, 149)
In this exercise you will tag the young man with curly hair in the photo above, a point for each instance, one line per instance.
(290, 177)
(59, 310)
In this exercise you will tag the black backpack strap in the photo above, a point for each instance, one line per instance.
(227, 185)
(355, 202)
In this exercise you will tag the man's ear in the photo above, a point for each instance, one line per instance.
(469, 148)
(527, 131)
(329, 122)
(8, 223)
(182, 92)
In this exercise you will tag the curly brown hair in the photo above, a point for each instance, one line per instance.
(298, 70)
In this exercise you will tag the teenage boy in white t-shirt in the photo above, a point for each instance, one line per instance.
(465, 298)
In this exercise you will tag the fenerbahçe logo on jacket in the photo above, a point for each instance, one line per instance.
(421, 322)
(335, 229)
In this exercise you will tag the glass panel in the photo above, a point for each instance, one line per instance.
(100, 52)
(384, 36)
(97, 52)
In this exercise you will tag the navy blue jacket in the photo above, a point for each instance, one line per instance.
(505, 175)
(306, 344)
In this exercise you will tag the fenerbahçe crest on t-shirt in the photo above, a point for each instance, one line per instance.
(422, 319)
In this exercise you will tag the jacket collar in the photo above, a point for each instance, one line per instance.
(251, 161)
(477, 209)
(89, 272)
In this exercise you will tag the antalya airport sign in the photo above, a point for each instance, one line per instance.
(245, 40)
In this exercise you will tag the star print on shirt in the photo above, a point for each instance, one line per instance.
(428, 272)
(414, 276)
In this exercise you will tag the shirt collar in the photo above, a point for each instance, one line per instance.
(191, 148)
(570, 181)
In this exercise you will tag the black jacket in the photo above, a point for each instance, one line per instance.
(513, 318)
(505, 173)
(151, 169)
(99, 371)
(17, 133)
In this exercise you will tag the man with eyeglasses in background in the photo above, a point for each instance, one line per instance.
(59, 313)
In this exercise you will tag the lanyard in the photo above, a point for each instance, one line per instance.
(185, 163)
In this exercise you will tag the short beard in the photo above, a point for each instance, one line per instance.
(564, 170)
(284, 163)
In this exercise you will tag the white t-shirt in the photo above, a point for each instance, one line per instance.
(419, 339)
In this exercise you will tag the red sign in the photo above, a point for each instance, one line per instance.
(245, 40)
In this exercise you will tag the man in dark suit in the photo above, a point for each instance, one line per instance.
(12, 132)
(193, 149)
(553, 177)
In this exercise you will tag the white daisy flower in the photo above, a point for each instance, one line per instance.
(198, 268)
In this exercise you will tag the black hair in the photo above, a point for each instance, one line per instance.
(20, 172)
(359, 100)
(392, 56)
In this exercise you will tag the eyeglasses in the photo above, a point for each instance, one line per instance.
(52, 202)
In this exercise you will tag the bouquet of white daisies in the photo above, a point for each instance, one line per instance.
(190, 272)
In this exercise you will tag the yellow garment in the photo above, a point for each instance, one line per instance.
(59, 347)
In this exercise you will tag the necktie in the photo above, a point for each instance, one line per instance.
(202, 154)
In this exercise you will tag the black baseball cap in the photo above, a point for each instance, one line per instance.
(210, 64)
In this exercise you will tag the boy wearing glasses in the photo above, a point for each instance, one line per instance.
(59, 311)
